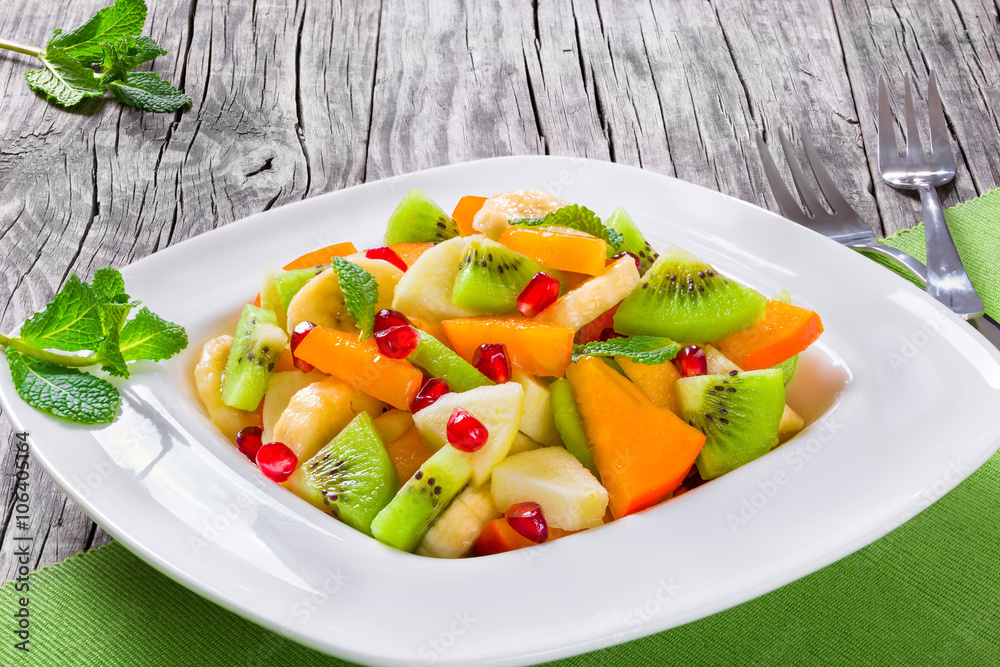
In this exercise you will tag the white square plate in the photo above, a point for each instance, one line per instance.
(901, 394)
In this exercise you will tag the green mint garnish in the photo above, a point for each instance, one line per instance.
(62, 391)
(86, 318)
(99, 56)
(575, 217)
(70, 322)
(640, 349)
(148, 336)
(360, 293)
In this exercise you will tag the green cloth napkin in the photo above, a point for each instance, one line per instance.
(927, 593)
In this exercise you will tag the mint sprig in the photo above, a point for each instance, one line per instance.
(360, 293)
(82, 318)
(640, 349)
(100, 56)
(575, 217)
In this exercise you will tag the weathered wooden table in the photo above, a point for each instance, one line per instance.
(294, 99)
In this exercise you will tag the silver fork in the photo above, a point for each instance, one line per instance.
(947, 280)
(842, 223)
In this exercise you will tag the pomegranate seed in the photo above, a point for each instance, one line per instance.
(248, 441)
(528, 521)
(298, 333)
(465, 432)
(428, 395)
(610, 333)
(592, 331)
(540, 293)
(388, 318)
(638, 262)
(277, 461)
(387, 254)
(691, 361)
(491, 360)
(397, 342)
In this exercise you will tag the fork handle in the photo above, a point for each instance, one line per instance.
(947, 280)
(908, 263)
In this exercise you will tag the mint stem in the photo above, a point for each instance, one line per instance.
(51, 357)
(20, 48)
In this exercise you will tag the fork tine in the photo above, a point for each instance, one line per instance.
(888, 152)
(786, 202)
(826, 184)
(913, 147)
(940, 137)
(799, 179)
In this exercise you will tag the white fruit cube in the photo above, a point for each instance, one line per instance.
(570, 496)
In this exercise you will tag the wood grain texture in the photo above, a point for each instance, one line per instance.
(293, 98)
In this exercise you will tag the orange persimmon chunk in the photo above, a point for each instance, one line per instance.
(565, 251)
(410, 252)
(537, 348)
(784, 331)
(408, 452)
(642, 451)
(321, 256)
(465, 211)
(342, 355)
(498, 537)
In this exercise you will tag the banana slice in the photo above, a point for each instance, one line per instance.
(460, 525)
(208, 380)
(321, 301)
(317, 413)
(280, 390)
(493, 217)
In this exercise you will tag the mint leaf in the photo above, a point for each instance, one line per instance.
(70, 322)
(124, 55)
(641, 349)
(109, 286)
(64, 80)
(61, 391)
(149, 336)
(113, 319)
(575, 217)
(147, 91)
(360, 293)
(125, 17)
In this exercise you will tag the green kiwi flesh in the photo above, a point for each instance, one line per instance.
(352, 478)
(569, 423)
(417, 219)
(405, 520)
(738, 412)
(491, 276)
(634, 242)
(434, 358)
(684, 298)
(257, 346)
(288, 283)
(788, 368)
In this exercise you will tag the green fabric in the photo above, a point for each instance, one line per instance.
(975, 227)
(927, 593)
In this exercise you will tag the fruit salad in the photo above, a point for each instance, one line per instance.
(503, 376)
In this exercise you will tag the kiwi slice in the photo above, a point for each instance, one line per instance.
(787, 368)
(405, 520)
(257, 346)
(417, 219)
(684, 298)
(288, 283)
(435, 359)
(738, 412)
(634, 242)
(352, 478)
(569, 423)
(491, 276)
